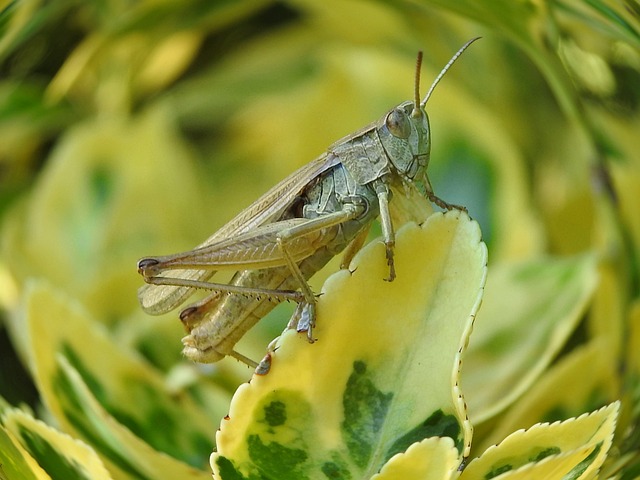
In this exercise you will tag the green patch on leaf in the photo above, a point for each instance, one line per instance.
(279, 431)
(228, 471)
(13, 462)
(289, 460)
(579, 469)
(336, 469)
(102, 187)
(275, 414)
(51, 459)
(54, 452)
(534, 457)
(498, 471)
(544, 453)
(92, 382)
(149, 416)
(437, 425)
(102, 392)
(75, 411)
(365, 410)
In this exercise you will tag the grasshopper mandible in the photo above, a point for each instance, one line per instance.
(276, 244)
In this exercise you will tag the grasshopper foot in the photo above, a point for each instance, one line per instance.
(390, 262)
(433, 198)
(264, 365)
(304, 319)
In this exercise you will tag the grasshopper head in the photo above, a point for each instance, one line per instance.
(405, 132)
(406, 138)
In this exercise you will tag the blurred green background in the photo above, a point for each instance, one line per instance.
(130, 129)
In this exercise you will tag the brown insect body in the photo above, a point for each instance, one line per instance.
(276, 244)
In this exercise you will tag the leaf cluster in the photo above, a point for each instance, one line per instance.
(136, 128)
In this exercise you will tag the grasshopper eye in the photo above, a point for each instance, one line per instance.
(398, 123)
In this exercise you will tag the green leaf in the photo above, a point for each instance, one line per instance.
(124, 453)
(15, 461)
(109, 396)
(528, 312)
(522, 23)
(58, 454)
(383, 373)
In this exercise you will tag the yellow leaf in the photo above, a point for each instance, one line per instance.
(573, 449)
(383, 373)
(434, 458)
(582, 380)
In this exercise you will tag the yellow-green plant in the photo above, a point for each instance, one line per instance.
(130, 129)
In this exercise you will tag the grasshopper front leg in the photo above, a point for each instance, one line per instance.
(433, 198)
(383, 193)
(354, 247)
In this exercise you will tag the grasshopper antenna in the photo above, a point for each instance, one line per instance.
(416, 105)
(444, 70)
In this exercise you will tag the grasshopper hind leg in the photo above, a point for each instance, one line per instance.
(304, 317)
(244, 359)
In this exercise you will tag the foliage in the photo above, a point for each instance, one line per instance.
(136, 128)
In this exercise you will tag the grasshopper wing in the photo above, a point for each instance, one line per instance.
(159, 299)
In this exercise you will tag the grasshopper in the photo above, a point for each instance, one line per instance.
(277, 243)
